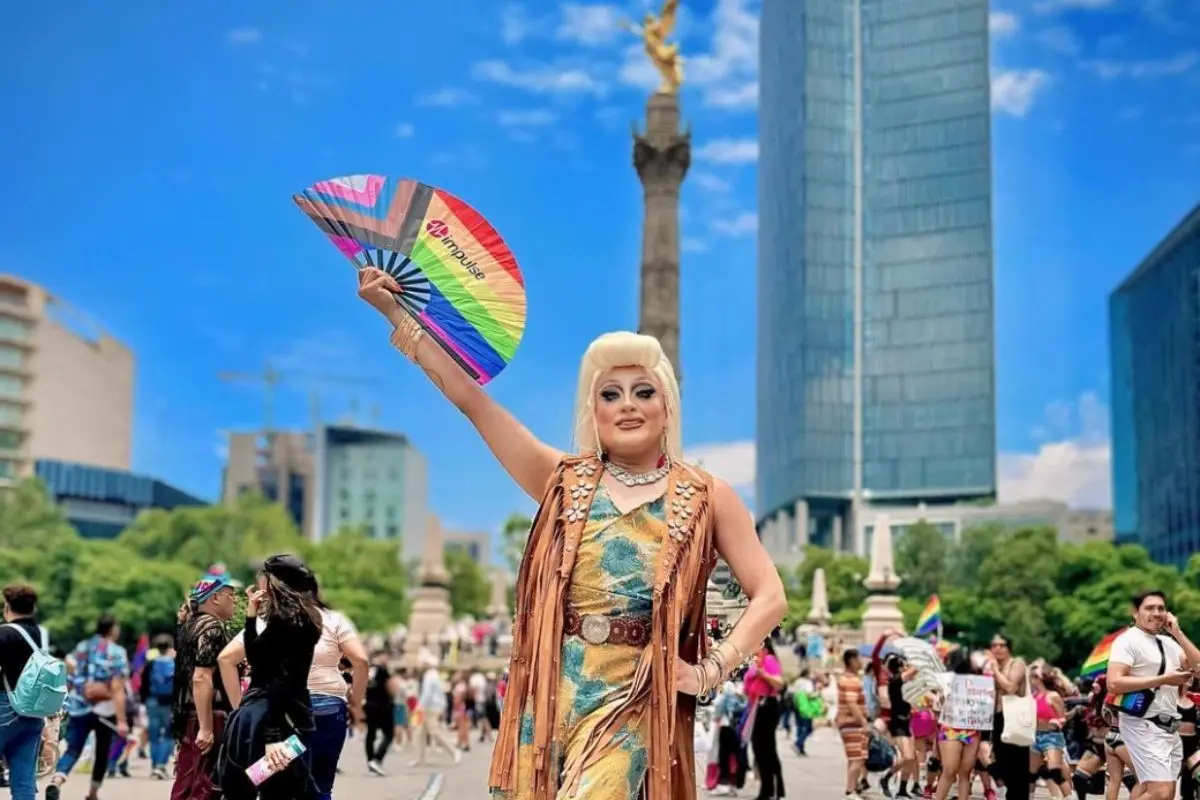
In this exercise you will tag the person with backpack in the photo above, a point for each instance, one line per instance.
(96, 706)
(157, 691)
(35, 688)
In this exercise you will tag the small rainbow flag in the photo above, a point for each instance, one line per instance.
(1097, 663)
(930, 621)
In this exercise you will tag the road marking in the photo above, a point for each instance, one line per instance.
(434, 787)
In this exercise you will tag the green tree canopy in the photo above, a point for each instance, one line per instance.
(470, 591)
(143, 575)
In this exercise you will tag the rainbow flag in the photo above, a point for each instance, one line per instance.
(1097, 663)
(139, 661)
(930, 621)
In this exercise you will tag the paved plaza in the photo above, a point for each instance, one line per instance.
(817, 777)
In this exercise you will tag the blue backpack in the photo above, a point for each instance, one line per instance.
(41, 689)
(162, 678)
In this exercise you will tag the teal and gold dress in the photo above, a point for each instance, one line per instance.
(613, 576)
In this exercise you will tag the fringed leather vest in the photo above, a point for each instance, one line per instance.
(686, 560)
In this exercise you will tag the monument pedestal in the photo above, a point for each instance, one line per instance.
(431, 612)
(882, 615)
(883, 605)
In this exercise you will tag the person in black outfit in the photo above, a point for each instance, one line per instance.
(900, 727)
(380, 711)
(279, 650)
(1011, 765)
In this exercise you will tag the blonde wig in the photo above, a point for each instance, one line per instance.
(624, 349)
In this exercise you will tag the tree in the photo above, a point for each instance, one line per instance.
(364, 578)
(470, 591)
(514, 534)
(921, 559)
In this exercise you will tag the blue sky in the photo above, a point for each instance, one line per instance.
(153, 149)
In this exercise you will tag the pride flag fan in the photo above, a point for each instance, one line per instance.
(931, 618)
(1097, 663)
(458, 278)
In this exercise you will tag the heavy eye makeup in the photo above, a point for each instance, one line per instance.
(611, 394)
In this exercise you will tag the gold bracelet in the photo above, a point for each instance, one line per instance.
(407, 336)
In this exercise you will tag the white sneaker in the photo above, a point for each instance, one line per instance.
(376, 769)
(457, 756)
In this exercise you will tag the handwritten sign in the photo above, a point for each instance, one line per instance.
(970, 702)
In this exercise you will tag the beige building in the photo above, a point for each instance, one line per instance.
(281, 469)
(66, 393)
(477, 545)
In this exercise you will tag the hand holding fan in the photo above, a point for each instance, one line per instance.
(458, 278)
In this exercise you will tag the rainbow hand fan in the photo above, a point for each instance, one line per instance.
(458, 278)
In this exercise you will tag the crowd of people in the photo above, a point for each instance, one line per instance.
(1132, 727)
(206, 704)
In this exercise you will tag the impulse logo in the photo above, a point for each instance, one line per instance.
(441, 231)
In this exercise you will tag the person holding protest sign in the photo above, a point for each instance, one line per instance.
(966, 712)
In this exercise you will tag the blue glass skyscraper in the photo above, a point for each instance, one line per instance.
(1154, 346)
(875, 337)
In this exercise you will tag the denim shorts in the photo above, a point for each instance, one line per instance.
(1045, 741)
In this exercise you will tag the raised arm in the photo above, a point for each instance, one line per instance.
(739, 545)
(524, 457)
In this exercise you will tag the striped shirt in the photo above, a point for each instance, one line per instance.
(850, 697)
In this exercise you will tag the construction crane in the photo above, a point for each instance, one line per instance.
(270, 378)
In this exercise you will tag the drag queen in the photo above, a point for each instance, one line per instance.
(609, 649)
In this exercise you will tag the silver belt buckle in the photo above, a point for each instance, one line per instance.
(595, 629)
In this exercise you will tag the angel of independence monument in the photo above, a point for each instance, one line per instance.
(661, 156)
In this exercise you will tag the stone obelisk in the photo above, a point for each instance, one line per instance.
(661, 156)
(431, 611)
(883, 605)
(818, 614)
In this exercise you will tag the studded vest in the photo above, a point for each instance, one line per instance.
(686, 559)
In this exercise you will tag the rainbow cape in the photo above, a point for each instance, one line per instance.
(930, 619)
(1097, 663)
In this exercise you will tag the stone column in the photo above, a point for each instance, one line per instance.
(661, 156)
(835, 534)
(800, 527)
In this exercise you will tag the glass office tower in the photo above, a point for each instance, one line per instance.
(1154, 346)
(875, 359)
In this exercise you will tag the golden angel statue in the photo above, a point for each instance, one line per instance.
(665, 57)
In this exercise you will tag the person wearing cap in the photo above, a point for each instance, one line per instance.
(277, 705)
(199, 702)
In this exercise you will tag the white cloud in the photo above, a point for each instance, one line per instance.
(744, 95)
(589, 25)
(244, 36)
(545, 79)
(1014, 91)
(1003, 23)
(405, 130)
(732, 462)
(1075, 467)
(709, 182)
(693, 245)
(728, 151)
(1061, 39)
(527, 118)
(1052, 6)
(515, 26)
(743, 224)
(446, 97)
(729, 69)
(1152, 68)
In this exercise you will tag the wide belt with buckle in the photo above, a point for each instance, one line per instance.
(630, 630)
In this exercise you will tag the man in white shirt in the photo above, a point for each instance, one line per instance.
(1153, 655)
